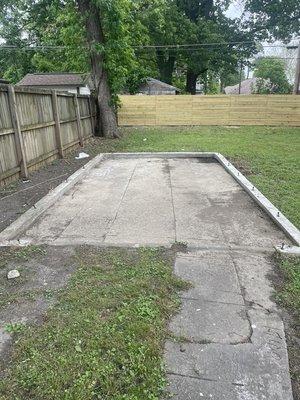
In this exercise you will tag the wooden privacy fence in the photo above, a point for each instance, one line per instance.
(38, 126)
(210, 110)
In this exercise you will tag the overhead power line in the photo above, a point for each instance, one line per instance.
(176, 46)
(32, 48)
(169, 46)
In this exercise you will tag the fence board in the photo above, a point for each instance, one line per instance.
(210, 110)
(8, 153)
(38, 122)
(5, 118)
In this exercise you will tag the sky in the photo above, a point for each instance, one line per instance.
(235, 9)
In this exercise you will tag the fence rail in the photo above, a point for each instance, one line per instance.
(38, 126)
(273, 110)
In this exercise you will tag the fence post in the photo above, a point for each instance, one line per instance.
(78, 120)
(57, 124)
(91, 115)
(18, 133)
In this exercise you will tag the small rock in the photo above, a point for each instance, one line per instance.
(182, 349)
(14, 273)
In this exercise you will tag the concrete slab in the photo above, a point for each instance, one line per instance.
(253, 270)
(224, 350)
(206, 321)
(212, 275)
(141, 201)
(254, 370)
(146, 212)
(264, 353)
(182, 387)
(211, 207)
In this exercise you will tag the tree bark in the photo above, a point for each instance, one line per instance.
(191, 80)
(165, 65)
(107, 125)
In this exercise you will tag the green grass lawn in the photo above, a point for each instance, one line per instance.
(103, 338)
(270, 157)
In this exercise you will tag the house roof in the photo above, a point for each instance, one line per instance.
(53, 79)
(246, 87)
(152, 81)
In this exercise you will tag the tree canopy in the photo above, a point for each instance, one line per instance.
(272, 76)
(182, 41)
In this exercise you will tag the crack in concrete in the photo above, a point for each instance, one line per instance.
(250, 304)
(243, 293)
(211, 301)
(120, 203)
(225, 248)
(168, 167)
(204, 379)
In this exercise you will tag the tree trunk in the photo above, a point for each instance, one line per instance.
(165, 65)
(107, 125)
(191, 80)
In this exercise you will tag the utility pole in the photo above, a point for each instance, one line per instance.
(297, 74)
(241, 73)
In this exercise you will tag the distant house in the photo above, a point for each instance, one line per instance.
(65, 81)
(155, 87)
(3, 81)
(247, 87)
(199, 88)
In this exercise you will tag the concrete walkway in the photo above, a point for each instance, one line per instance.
(230, 341)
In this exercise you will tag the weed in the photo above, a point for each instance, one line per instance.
(25, 253)
(14, 327)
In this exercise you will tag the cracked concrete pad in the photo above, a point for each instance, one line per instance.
(211, 322)
(264, 355)
(255, 370)
(253, 270)
(212, 274)
(210, 357)
(146, 213)
(211, 208)
(146, 201)
(182, 387)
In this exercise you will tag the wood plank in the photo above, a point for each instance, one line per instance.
(18, 134)
(214, 109)
(91, 116)
(78, 121)
(57, 124)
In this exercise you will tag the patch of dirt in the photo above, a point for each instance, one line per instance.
(242, 166)
(19, 196)
(27, 298)
(179, 247)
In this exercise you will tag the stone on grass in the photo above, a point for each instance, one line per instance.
(14, 273)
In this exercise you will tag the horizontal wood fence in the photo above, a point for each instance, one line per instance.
(38, 126)
(210, 110)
